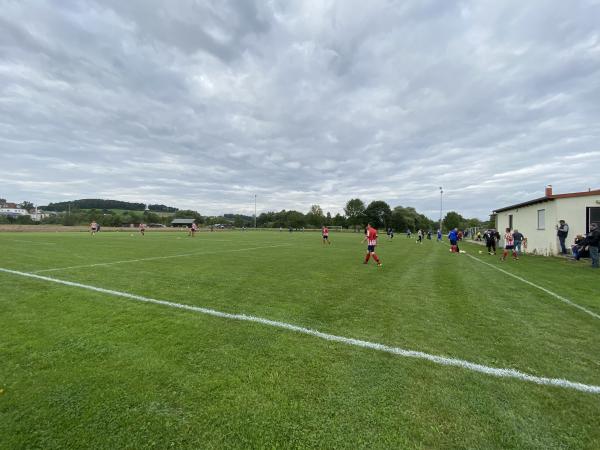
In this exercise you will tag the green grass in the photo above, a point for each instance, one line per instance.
(85, 369)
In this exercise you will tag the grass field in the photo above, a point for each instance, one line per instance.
(82, 368)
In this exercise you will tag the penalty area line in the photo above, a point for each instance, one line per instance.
(436, 359)
(153, 258)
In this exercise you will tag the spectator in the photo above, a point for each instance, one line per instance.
(592, 241)
(519, 238)
(490, 241)
(578, 249)
(562, 232)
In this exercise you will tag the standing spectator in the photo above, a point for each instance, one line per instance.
(519, 238)
(592, 241)
(408, 233)
(490, 241)
(562, 232)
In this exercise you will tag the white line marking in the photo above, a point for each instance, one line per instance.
(547, 291)
(31, 242)
(443, 360)
(152, 258)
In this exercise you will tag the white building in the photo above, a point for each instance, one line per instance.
(11, 209)
(537, 219)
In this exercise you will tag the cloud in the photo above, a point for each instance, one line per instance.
(203, 104)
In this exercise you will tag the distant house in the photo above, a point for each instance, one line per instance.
(537, 219)
(182, 222)
(11, 209)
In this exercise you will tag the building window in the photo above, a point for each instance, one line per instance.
(510, 221)
(541, 219)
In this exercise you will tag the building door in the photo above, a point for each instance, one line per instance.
(593, 216)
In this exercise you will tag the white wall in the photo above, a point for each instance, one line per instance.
(545, 242)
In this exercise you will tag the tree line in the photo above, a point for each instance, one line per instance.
(115, 213)
(97, 203)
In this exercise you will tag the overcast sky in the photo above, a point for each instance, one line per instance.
(203, 104)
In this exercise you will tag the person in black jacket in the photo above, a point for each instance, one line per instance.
(490, 241)
(562, 231)
(592, 241)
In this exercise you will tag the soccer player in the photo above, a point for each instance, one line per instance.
(509, 244)
(419, 236)
(325, 235)
(93, 228)
(371, 238)
(192, 230)
(439, 235)
(142, 228)
(453, 238)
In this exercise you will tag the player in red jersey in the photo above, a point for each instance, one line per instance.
(192, 230)
(509, 244)
(142, 228)
(93, 228)
(325, 235)
(371, 238)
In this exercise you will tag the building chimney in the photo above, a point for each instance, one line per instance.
(548, 192)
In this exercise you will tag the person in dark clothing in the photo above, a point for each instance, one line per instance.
(578, 250)
(592, 242)
(562, 231)
(518, 237)
(490, 241)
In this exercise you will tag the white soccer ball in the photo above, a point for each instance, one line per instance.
(480, 252)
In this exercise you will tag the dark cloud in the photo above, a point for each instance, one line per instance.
(202, 104)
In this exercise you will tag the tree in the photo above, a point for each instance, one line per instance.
(355, 212)
(296, 219)
(189, 214)
(453, 220)
(339, 220)
(315, 216)
(27, 205)
(379, 214)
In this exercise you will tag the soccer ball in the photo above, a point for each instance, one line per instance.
(131, 234)
(480, 252)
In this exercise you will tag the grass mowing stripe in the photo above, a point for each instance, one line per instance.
(152, 258)
(547, 291)
(493, 371)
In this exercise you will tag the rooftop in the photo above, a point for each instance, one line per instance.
(549, 196)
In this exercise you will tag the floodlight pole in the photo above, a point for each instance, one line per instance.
(441, 205)
(254, 211)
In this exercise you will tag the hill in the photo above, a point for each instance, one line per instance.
(95, 203)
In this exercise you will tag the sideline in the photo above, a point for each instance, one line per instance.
(547, 291)
(153, 258)
(442, 360)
